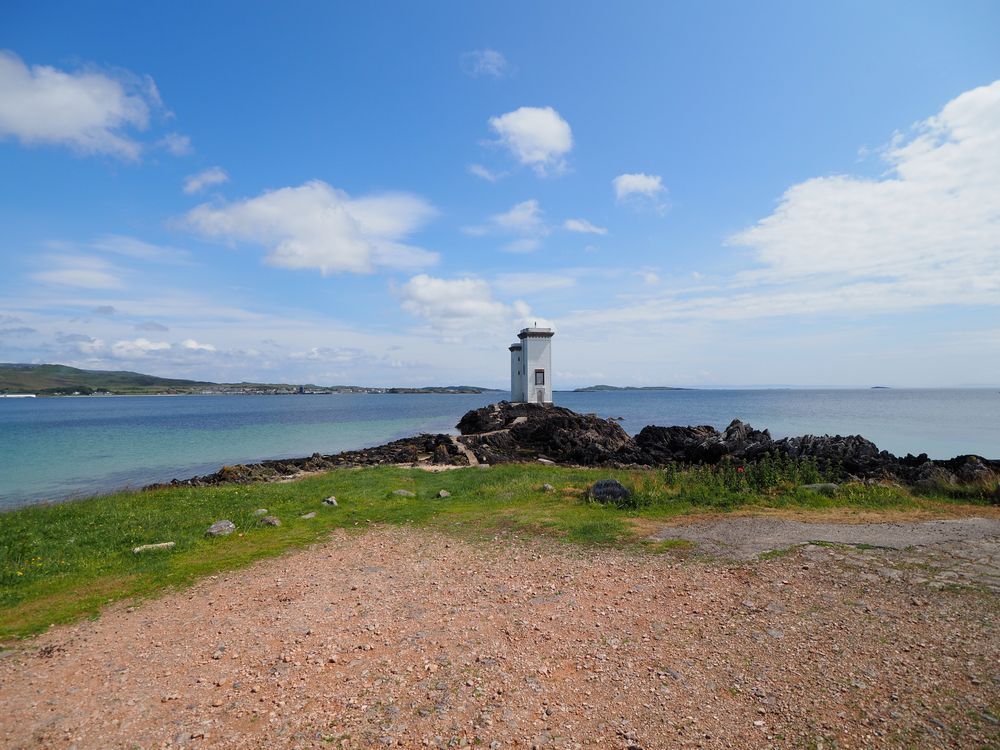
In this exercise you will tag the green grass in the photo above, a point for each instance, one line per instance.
(62, 562)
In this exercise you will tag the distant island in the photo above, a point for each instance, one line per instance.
(593, 388)
(61, 380)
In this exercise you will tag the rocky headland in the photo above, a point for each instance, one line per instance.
(516, 432)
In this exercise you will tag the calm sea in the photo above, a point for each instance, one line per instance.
(58, 448)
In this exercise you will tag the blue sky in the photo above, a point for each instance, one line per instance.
(384, 193)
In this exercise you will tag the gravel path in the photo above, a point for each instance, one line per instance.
(407, 638)
(745, 537)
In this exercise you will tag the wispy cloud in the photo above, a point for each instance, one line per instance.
(485, 62)
(583, 226)
(195, 183)
(483, 173)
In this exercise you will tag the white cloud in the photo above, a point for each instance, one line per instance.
(177, 144)
(195, 183)
(640, 189)
(89, 111)
(926, 234)
(193, 345)
(930, 225)
(583, 226)
(458, 307)
(482, 172)
(137, 348)
(316, 226)
(536, 136)
(485, 62)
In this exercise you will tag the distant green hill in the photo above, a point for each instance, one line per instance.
(60, 379)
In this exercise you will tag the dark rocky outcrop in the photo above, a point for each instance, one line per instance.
(506, 432)
(439, 449)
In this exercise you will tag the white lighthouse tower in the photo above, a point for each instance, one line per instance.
(531, 366)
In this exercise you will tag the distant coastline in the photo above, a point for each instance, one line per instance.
(596, 388)
(61, 380)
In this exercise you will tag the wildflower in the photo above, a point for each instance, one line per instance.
(739, 469)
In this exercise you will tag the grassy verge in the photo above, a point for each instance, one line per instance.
(61, 562)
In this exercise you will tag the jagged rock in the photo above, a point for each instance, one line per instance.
(221, 528)
(498, 434)
(973, 469)
(933, 477)
(608, 491)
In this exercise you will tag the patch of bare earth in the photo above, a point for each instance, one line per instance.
(409, 638)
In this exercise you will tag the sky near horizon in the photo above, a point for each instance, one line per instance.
(692, 194)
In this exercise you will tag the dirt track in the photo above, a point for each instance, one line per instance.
(407, 638)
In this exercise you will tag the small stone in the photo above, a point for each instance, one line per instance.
(260, 512)
(748, 604)
(332, 501)
(546, 461)
(547, 487)
(444, 493)
(404, 493)
(221, 528)
(271, 521)
(153, 547)
(775, 633)
(758, 723)
(307, 516)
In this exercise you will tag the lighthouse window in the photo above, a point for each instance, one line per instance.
(539, 377)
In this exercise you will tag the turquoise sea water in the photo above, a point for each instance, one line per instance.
(57, 448)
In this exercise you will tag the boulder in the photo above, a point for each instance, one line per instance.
(609, 491)
(404, 493)
(307, 516)
(221, 528)
(332, 501)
